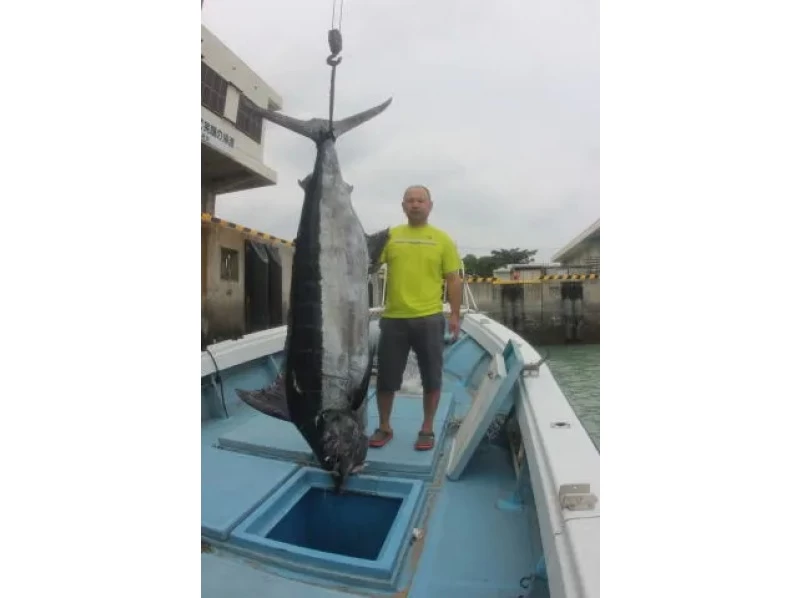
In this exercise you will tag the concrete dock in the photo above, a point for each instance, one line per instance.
(558, 309)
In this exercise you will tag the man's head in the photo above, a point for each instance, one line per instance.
(417, 204)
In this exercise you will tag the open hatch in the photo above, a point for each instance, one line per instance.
(361, 535)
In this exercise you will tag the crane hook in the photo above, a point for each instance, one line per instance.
(335, 44)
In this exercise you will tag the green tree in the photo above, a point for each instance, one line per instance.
(485, 265)
(513, 256)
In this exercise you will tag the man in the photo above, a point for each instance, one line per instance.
(418, 256)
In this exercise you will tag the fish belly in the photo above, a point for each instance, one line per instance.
(345, 311)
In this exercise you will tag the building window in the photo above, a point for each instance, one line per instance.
(248, 121)
(229, 267)
(214, 90)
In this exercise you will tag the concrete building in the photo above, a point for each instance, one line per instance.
(551, 303)
(580, 309)
(232, 136)
(533, 272)
(245, 273)
(583, 250)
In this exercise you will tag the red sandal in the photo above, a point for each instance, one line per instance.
(425, 441)
(380, 438)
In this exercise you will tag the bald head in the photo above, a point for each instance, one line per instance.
(417, 204)
(422, 188)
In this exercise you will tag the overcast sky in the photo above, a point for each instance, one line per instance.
(495, 108)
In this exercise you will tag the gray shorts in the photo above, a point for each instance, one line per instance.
(425, 336)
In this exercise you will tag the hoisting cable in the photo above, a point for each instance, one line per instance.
(335, 45)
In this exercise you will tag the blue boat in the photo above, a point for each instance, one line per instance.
(505, 506)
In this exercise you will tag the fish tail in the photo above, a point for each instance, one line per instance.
(317, 129)
(306, 128)
(340, 127)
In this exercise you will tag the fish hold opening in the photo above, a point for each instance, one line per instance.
(360, 538)
(353, 524)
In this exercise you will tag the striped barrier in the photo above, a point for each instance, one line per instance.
(537, 280)
(267, 238)
(249, 232)
(551, 277)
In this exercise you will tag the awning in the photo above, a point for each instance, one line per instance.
(248, 233)
(222, 174)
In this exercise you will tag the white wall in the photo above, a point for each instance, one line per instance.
(220, 132)
(222, 59)
(236, 145)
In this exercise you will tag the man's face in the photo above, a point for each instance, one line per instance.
(417, 205)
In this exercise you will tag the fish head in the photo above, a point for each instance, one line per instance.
(344, 445)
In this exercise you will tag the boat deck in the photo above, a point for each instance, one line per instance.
(475, 543)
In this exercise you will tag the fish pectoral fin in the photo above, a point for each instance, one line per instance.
(358, 395)
(375, 244)
(269, 401)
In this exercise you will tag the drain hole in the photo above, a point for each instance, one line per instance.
(353, 524)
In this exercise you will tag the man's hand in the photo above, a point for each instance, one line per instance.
(455, 324)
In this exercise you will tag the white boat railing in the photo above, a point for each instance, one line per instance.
(563, 463)
(468, 303)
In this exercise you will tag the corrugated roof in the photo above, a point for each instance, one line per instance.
(559, 255)
(247, 231)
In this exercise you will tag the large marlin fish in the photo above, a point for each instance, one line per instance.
(328, 363)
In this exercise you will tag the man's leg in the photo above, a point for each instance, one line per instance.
(393, 347)
(427, 339)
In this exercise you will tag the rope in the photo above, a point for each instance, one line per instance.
(333, 13)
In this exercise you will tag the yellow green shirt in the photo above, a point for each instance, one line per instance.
(417, 260)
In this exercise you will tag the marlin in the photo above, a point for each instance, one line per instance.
(328, 354)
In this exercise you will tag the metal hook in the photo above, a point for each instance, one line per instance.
(335, 45)
(334, 42)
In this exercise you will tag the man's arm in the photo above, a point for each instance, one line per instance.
(454, 292)
(451, 267)
(376, 247)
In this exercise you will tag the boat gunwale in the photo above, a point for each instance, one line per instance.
(570, 572)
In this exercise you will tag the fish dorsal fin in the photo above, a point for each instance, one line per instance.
(375, 244)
